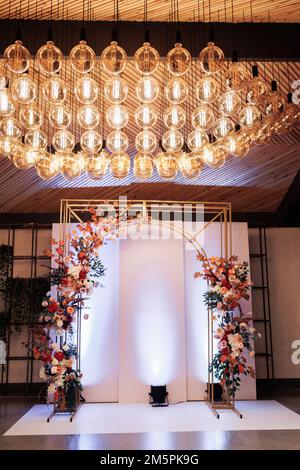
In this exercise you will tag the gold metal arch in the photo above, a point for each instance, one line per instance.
(75, 210)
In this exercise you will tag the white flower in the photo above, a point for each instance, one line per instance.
(252, 330)
(55, 346)
(65, 347)
(59, 382)
(42, 373)
(59, 323)
(44, 303)
(53, 370)
(54, 361)
(74, 271)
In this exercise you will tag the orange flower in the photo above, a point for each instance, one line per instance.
(70, 310)
(81, 254)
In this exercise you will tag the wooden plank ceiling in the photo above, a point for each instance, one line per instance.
(255, 183)
(189, 10)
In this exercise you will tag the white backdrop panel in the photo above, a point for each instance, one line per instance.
(152, 319)
(100, 333)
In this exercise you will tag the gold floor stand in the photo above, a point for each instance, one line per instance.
(60, 412)
(214, 407)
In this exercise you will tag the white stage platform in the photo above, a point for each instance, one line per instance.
(116, 418)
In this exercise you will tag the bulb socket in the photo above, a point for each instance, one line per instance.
(178, 36)
(82, 34)
(254, 71)
(211, 35)
(50, 34)
(273, 85)
(147, 35)
(237, 127)
(235, 56)
(18, 34)
(114, 35)
(289, 98)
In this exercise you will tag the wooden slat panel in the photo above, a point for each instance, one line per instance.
(189, 10)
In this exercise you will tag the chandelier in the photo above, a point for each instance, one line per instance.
(40, 128)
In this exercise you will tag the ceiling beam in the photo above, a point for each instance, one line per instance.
(255, 41)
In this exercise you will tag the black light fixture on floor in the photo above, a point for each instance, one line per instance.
(158, 395)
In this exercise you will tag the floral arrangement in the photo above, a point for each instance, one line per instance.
(73, 278)
(228, 284)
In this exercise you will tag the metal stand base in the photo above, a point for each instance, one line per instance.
(214, 407)
(56, 412)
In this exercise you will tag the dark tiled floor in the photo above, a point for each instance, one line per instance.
(11, 409)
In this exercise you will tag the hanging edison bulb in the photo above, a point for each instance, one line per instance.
(230, 103)
(97, 165)
(9, 146)
(73, 164)
(17, 57)
(60, 116)
(249, 116)
(257, 88)
(146, 141)
(146, 59)
(31, 117)
(115, 90)
(190, 164)
(167, 165)
(222, 127)
(143, 165)
(202, 117)
(49, 58)
(55, 90)
(197, 139)
(88, 116)
(63, 141)
(36, 139)
(176, 90)
(7, 107)
(178, 60)
(263, 134)
(174, 117)
(26, 158)
(147, 89)
(86, 90)
(113, 58)
(214, 156)
(23, 90)
(117, 141)
(48, 165)
(91, 142)
(120, 164)
(211, 58)
(172, 140)
(207, 89)
(145, 116)
(82, 57)
(10, 127)
(117, 116)
(274, 103)
(237, 77)
(236, 145)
